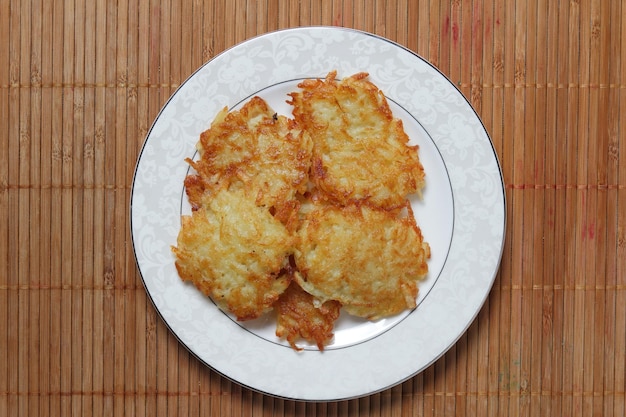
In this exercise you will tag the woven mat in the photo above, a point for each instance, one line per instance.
(80, 84)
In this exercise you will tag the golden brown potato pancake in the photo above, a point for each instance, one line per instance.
(360, 151)
(369, 260)
(299, 316)
(255, 149)
(235, 252)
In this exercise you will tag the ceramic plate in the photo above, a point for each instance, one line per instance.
(461, 214)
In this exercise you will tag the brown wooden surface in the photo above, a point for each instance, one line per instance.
(80, 84)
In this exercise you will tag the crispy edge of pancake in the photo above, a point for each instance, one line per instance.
(301, 317)
(367, 259)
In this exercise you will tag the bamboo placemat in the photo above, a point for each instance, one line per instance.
(80, 84)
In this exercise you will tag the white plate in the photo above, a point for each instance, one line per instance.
(462, 216)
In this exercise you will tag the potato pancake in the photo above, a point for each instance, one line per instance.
(300, 317)
(235, 252)
(255, 149)
(308, 215)
(360, 151)
(369, 260)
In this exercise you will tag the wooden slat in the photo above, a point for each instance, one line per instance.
(5, 198)
(619, 386)
(24, 211)
(35, 279)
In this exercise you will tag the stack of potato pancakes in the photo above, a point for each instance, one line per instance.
(307, 215)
